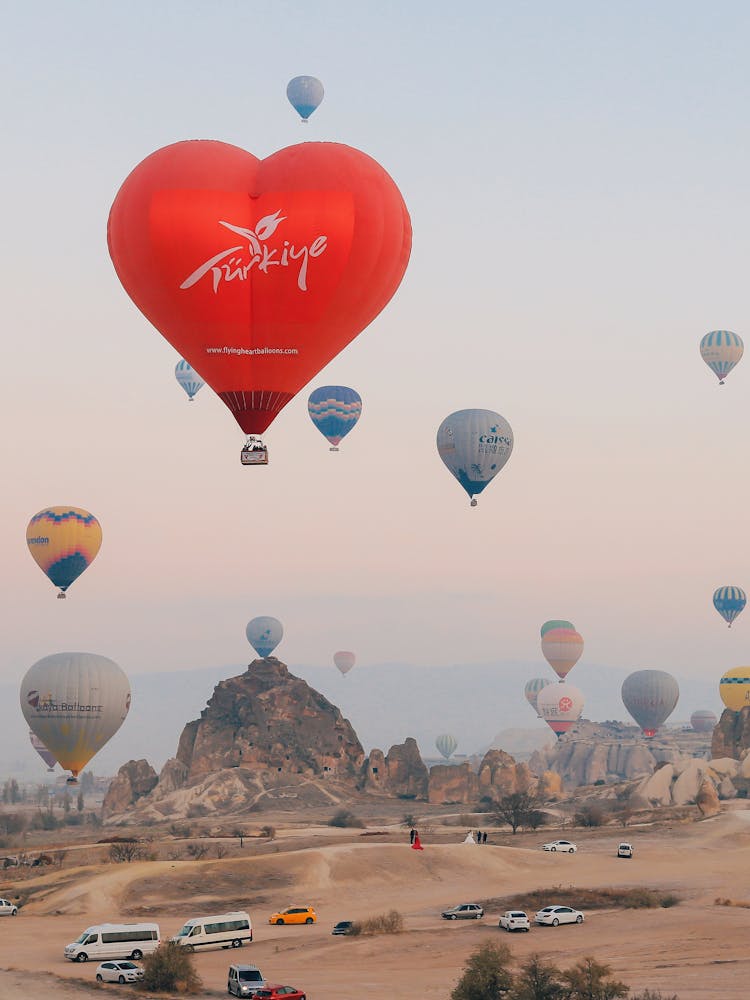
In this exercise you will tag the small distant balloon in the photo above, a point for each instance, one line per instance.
(532, 689)
(474, 445)
(562, 649)
(63, 542)
(446, 744)
(729, 602)
(721, 350)
(344, 661)
(305, 94)
(334, 409)
(560, 705)
(49, 758)
(703, 721)
(188, 378)
(556, 623)
(264, 634)
(650, 696)
(734, 688)
(75, 703)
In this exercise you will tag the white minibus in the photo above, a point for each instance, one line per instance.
(227, 930)
(114, 941)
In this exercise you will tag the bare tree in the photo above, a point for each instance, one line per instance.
(197, 851)
(221, 851)
(515, 809)
(125, 852)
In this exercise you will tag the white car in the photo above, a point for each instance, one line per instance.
(118, 972)
(514, 920)
(554, 915)
(560, 845)
(625, 851)
(8, 909)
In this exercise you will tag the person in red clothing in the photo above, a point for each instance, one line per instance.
(417, 845)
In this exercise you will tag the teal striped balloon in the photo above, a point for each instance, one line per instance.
(721, 350)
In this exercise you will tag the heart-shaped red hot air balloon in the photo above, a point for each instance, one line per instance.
(259, 272)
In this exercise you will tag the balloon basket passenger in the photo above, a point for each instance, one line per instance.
(254, 452)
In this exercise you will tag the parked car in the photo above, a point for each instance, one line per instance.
(245, 980)
(294, 915)
(464, 911)
(280, 993)
(625, 851)
(560, 845)
(554, 915)
(8, 909)
(343, 927)
(514, 920)
(118, 972)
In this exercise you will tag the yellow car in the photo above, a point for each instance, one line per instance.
(294, 915)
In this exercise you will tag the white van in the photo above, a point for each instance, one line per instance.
(226, 930)
(114, 941)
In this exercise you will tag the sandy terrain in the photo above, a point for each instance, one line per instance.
(696, 949)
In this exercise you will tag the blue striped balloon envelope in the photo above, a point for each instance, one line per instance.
(729, 601)
(334, 409)
(721, 350)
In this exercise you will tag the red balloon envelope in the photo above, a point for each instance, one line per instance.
(259, 272)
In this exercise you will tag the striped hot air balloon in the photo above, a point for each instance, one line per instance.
(734, 688)
(63, 542)
(188, 378)
(446, 744)
(556, 623)
(721, 350)
(729, 602)
(562, 648)
(532, 689)
(334, 409)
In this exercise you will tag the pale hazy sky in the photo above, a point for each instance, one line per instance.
(577, 176)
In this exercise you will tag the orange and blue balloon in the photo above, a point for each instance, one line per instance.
(64, 542)
(334, 409)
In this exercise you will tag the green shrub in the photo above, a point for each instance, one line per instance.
(385, 923)
(170, 969)
(486, 975)
(344, 818)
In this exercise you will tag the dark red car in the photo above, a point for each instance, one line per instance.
(276, 992)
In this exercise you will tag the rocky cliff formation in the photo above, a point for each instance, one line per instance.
(498, 775)
(731, 734)
(269, 720)
(134, 780)
(400, 772)
(610, 752)
(703, 782)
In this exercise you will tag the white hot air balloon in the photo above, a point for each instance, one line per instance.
(721, 350)
(75, 703)
(560, 705)
(446, 744)
(264, 634)
(474, 445)
(344, 661)
(188, 378)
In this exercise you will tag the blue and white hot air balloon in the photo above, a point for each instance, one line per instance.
(264, 634)
(334, 409)
(305, 94)
(474, 445)
(721, 350)
(188, 378)
(729, 602)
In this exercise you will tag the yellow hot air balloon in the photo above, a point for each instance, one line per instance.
(75, 703)
(562, 648)
(63, 542)
(734, 688)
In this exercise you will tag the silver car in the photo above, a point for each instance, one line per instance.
(245, 980)
(8, 909)
(118, 972)
(464, 911)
